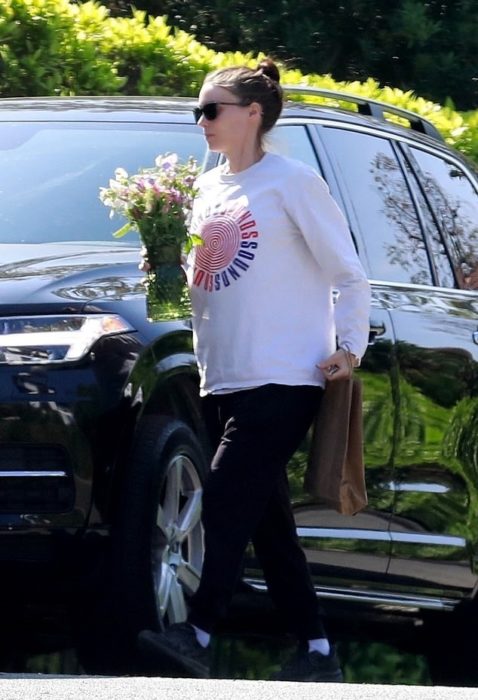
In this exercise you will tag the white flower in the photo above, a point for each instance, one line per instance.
(115, 185)
(170, 160)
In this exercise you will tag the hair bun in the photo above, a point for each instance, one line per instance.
(269, 68)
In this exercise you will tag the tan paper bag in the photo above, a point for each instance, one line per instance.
(335, 473)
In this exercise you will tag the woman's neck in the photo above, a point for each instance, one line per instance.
(236, 162)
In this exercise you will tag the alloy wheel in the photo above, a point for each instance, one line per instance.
(178, 546)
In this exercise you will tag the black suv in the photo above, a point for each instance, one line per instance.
(100, 429)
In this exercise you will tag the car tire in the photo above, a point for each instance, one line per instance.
(158, 540)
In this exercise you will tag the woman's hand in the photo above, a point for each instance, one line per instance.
(339, 365)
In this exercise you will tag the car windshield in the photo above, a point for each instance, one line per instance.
(51, 173)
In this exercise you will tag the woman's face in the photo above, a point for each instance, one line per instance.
(234, 125)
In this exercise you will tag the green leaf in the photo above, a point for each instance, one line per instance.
(191, 241)
(195, 239)
(122, 231)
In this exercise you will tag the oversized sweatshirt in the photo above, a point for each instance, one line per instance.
(275, 246)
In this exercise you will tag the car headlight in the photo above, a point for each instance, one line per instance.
(47, 339)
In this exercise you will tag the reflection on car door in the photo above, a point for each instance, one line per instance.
(432, 367)
(434, 524)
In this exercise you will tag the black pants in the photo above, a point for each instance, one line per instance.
(246, 498)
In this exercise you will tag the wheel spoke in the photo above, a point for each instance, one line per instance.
(177, 611)
(164, 586)
(173, 490)
(188, 577)
(190, 515)
(162, 522)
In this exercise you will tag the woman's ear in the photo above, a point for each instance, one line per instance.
(255, 109)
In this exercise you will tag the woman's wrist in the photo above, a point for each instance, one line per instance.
(354, 360)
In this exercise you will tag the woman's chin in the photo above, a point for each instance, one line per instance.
(212, 143)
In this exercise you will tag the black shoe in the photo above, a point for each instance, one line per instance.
(178, 643)
(310, 666)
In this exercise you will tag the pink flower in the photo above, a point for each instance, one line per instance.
(166, 190)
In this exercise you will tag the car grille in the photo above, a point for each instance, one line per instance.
(35, 479)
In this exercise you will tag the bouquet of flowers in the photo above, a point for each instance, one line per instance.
(157, 204)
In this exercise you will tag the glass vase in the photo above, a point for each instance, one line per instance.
(167, 294)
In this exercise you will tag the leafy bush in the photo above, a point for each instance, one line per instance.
(54, 47)
(48, 47)
(404, 43)
(155, 59)
(146, 56)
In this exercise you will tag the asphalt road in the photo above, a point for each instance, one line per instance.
(66, 688)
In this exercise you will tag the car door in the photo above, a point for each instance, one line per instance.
(343, 549)
(434, 526)
(433, 361)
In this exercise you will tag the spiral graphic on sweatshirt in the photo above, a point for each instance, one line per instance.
(222, 240)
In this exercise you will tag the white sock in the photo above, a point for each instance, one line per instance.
(203, 637)
(321, 645)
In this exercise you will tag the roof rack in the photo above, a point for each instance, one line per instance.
(371, 108)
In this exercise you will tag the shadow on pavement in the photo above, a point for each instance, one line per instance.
(54, 632)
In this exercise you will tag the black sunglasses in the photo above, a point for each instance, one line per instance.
(211, 111)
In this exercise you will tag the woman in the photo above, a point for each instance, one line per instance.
(265, 330)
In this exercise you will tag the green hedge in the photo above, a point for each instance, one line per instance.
(49, 47)
(54, 47)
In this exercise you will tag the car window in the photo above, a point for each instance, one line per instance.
(441, 260)
(292, 140)
(454, 200)
(382, 205)
(50, 175)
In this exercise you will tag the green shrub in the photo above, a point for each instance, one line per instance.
(145, 56)
(155, 60)
(49, 47)
(425, 44)
(55, 47)
(459, 130)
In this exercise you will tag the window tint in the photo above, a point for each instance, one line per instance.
(443, 266)
(293, 141)
(50, 175)
(382, 204)
(455, 203)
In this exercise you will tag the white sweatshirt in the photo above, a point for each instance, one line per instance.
(275, 246)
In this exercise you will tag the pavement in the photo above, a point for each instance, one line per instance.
(47, 687)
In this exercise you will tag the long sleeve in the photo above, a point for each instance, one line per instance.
(324, 228)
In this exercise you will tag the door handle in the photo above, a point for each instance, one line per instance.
(378, 329)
